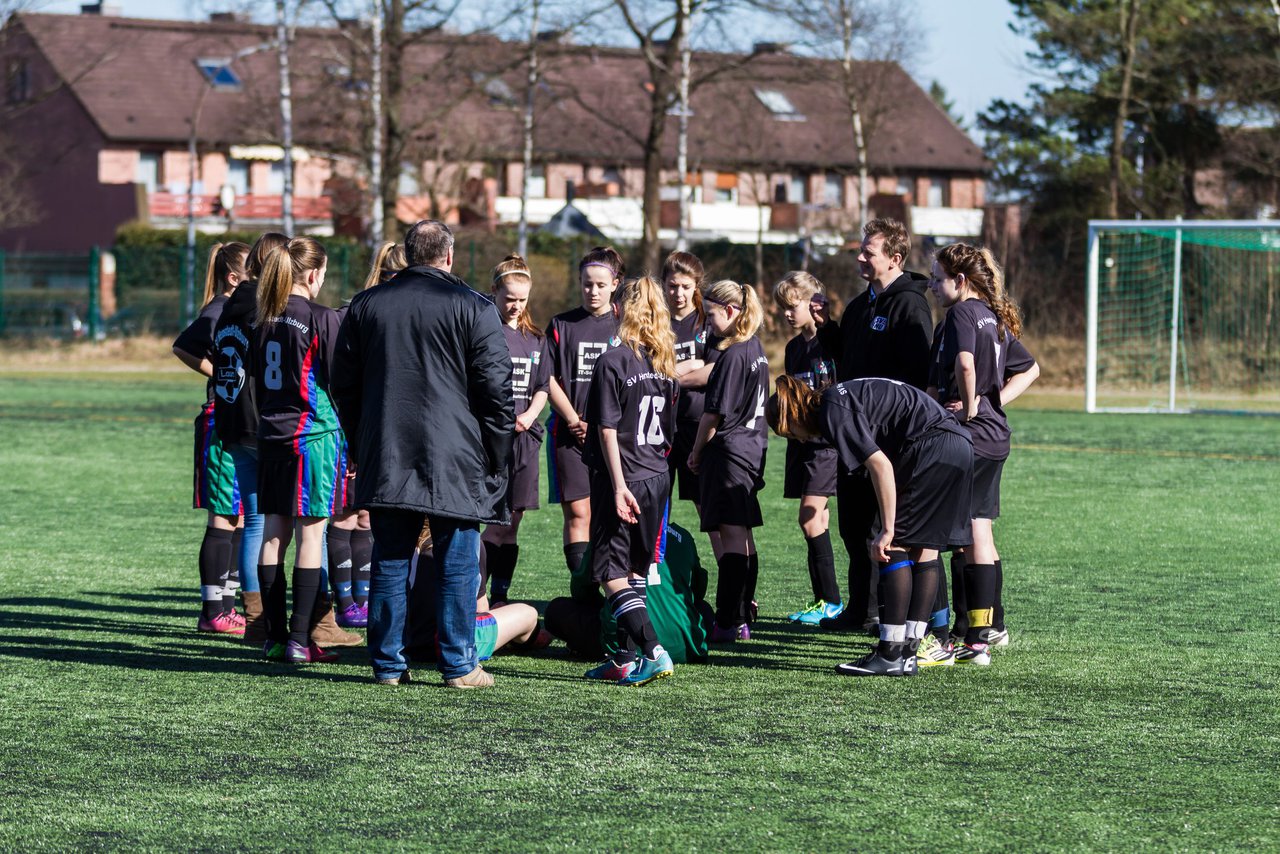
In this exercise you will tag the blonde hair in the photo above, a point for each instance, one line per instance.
(514, 266)
(984, 275)
(285, 267)
(225, 260)
(646, 323)
(387, 261)
(742, 297)
(796, 287)
(793, 405)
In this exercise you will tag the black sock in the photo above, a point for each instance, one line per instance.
(340, 563)
(895, 589)
(306, 589)
(361, 564)
(822, 568)
(892, 650)
(274, 610)
(940, 617)
(924, 590)
(502, 568)
(730, 582)
(633, 618)
(215, 561)
(233, 573)
(640, 584)
(749, 586)
(998, 620)
(573, 555)
(980, 588)
(959, 601)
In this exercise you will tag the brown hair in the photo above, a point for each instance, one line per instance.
(286, 266)
(646, 323)
(686, 264)
(984, 276)
(793, 404)
(896, 239)
(606, 255)
(743, 297)
(514, 266)
(387, 261)
(796, 287)
(263, 247)
(225, 260)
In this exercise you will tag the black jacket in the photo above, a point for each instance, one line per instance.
(889, 336)
(422, 380)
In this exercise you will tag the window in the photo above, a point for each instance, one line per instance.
(779, 105)
(275, 179)
(833, 190)
(149, 170)
(727, 187)
(218, 74)
(18, 81)
(537, 181)
(780, 193)
(904, 187)
(409, 183)
(799, 189)
(939, 191)
(238, 176)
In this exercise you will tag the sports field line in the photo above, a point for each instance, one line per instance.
(1152, 452)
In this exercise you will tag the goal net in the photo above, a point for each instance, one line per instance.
(1182, 316)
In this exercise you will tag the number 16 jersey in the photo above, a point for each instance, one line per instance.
(628, 395)
(294, 357)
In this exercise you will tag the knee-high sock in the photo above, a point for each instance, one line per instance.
(215, 563)
(573, 554)
(749, 585)
(502, 567)
(959, 601)
(980, 588)
(731, 581)
(940, 616)
(895, 601)
(633, 619)
(924, 594)
(274, 610)
(822, 568)
(998, 621)
(306, 589)
(863, 583)
(233, 574)
(361, 564)
(340, 564)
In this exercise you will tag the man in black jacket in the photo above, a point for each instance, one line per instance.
(886, 331)
(422, 380)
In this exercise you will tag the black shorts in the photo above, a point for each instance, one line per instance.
(568, 478)
(935, 480)
(678, 462)
(729, 487)
(618, 548)
(986, 488)
(524, 471)
(810, 470)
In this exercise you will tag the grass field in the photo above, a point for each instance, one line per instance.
(1135, 709)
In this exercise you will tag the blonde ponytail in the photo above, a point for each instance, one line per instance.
(729, 293)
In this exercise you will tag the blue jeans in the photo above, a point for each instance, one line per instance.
(457, 552)
(246, 460)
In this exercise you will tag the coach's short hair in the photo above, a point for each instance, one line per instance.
(428, 243)
(896, 239)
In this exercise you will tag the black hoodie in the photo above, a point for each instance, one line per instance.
(888, 336)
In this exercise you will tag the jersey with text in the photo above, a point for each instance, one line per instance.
(294, 357)
(693, 341)
(971, 327)
(530, 371)
(805, 361)
(736, 391)
(628, 395)
(197, 339)
(575, 340)
(860, 417)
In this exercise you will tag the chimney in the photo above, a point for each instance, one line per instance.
(106, 10)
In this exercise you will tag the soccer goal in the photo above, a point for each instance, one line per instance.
(1183, 316)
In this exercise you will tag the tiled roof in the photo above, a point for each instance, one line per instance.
(139, 82)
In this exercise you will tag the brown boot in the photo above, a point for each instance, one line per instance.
(255, 622)
(325, 630)
(478, 678)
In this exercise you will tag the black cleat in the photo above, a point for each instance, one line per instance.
(877, 664)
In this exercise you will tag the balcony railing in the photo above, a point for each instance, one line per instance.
(174, 206)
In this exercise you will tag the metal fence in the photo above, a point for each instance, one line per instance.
(50, 294)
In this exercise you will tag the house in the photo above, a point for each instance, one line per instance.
(100, 113)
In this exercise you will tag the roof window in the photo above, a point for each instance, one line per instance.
(780, 105)
(218, 74)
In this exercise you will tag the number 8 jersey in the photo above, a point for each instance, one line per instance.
(295, 354)
(628, 395)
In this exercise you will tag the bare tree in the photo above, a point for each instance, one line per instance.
(1128, 52)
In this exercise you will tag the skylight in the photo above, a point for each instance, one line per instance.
(218, 74)
(780, 105)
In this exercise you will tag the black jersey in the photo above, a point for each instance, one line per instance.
(860, 417)
(235, 396)
(736, 391)
(575, 340)
(970, 327)
(693, 341)
(1018, 358)
(628, 395)
(197, 339)
(295, 354)
(529, 370)
(805, 361)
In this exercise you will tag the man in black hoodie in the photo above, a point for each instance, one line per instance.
(422, 380)
(886, 331)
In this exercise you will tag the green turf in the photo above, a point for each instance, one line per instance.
(1135, 709)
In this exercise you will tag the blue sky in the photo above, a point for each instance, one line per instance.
(967, 45)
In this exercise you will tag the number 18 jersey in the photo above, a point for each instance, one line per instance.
(628, 395)
(295, 354)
